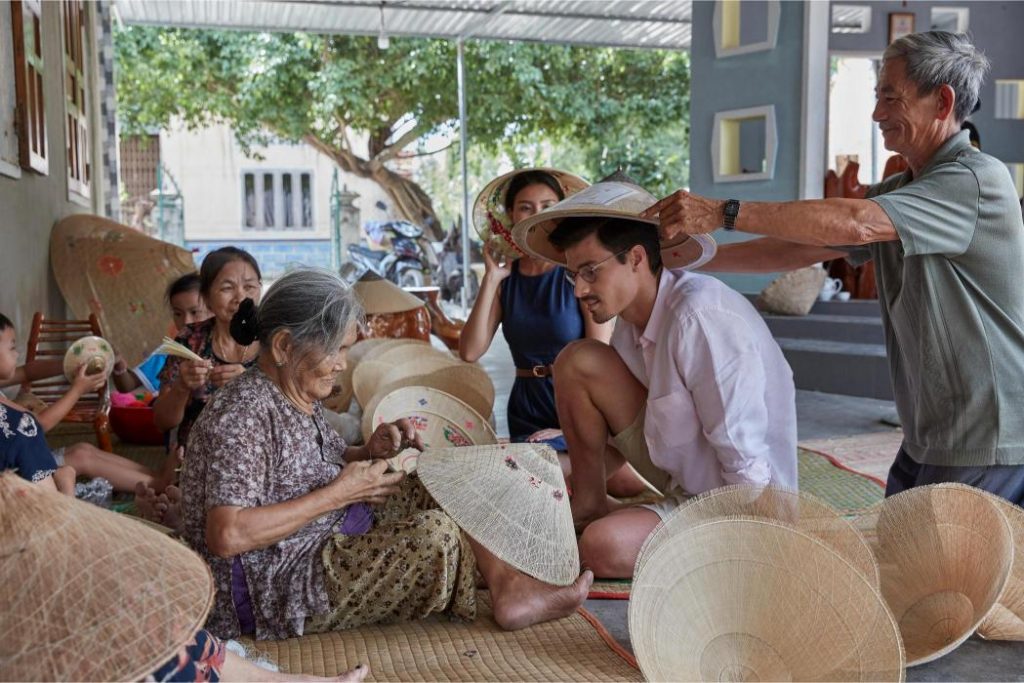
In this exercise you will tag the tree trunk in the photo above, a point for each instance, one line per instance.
(408, 198)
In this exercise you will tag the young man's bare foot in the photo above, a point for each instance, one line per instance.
(525, 601)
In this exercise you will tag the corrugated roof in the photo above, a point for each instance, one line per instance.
(616, 23)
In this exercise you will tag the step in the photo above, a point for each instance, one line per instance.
(835, 367)
(842, 328)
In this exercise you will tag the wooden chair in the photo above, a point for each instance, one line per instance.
(49, 340)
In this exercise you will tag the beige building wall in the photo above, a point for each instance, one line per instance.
(32, 203)
(208, 166)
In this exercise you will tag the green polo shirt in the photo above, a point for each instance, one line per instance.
(951, 291)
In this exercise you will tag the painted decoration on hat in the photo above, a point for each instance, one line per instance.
(93, 352)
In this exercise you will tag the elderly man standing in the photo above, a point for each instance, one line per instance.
(947, 239)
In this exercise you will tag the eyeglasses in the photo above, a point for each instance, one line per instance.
(589, 273)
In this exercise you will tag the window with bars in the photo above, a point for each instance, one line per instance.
(76, 35)
(26, 29)
(277, 200)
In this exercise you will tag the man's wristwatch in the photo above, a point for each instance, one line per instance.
(731, 211)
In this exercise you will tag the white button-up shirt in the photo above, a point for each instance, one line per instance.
(721, 406)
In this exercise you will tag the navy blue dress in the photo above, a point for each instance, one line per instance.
(539, 316)
(23, 445)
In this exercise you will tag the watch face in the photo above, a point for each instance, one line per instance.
(732, 208)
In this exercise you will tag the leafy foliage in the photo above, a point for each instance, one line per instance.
(592, 109)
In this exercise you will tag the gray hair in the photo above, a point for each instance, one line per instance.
(939, 58)
(316, 306)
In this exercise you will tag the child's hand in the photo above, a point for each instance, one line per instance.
(194, 373)
(85, 383)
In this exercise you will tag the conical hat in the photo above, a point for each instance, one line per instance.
(614, 197)
(121, 275)
(510, 498)
(341, 398)
(440, 419)
(368, 377)
(493, 223)
(465, 381)
(738, 598)
(383, 296)
(945, 553)
(88, 594)
(799, 510)
(1006, 620)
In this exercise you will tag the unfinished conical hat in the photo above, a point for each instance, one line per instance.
(369, 349)
(945, 553)
(617, 196)
(383, 296)
(119, 274)
(743, 599)
(801, 511)
(511, 499)
(89, 594)
(1006, 619)
(465, 381)
(341, 398)
(494, 224)
(440, 419)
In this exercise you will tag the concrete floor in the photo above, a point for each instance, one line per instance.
(818, 416)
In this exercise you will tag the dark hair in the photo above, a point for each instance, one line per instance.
(615, 234)
(972, 131)
(314, 305)
(215, 262)
(185, 283)
(5, 323)
(524, 180)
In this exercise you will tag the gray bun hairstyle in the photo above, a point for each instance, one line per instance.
(316, 306)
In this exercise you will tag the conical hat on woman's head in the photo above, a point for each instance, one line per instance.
(119, 274)
(617, 196)
(383, 296)
(90, 594)
(737, 598)
(440, 420)
(493, 223)
(945, 553)
(512, 500)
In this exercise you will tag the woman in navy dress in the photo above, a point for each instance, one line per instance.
(531, 300)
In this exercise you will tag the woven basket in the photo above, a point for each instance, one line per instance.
(945, 553)
(793, 293)
(740, 599)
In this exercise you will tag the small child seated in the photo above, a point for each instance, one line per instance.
(23, 439)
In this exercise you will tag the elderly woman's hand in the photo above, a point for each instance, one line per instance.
(365, 481)
(391, 438)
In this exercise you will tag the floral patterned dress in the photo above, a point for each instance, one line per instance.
(252, 447)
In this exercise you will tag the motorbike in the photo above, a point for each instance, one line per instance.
(450, 271)
(408, 263)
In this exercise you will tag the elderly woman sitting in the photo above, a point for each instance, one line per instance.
(281, 508)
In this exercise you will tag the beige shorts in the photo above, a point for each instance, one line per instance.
(633, 446)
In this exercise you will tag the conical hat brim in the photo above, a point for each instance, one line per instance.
(510, 498)
(90, 594)
(608, 200)
(119, 274)
(490, 206)
(1006, 620)
(383, 296)
(738, 598)
(367, 378)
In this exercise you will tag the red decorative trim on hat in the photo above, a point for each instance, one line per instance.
(498, 228)
(111, 265)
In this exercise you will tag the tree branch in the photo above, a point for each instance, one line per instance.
(392, 150)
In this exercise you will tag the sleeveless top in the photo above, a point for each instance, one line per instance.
(539, 316)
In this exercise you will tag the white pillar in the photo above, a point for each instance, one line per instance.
(463, 144)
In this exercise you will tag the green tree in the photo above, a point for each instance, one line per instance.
(608, 108)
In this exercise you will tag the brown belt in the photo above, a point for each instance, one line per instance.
(535, 371)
